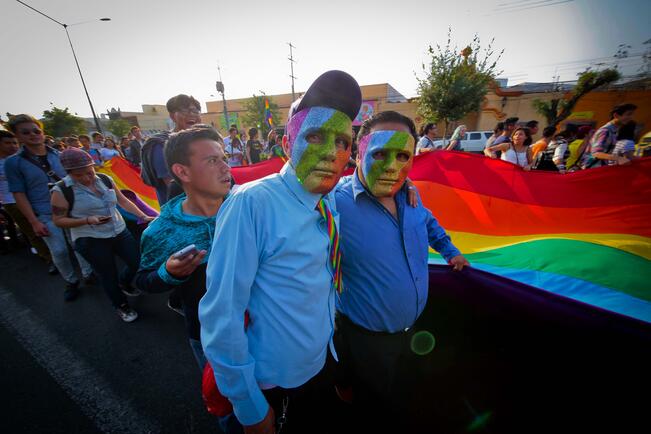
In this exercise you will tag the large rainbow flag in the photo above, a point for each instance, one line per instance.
(585, 235)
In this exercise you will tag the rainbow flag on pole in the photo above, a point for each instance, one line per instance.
(267, 113)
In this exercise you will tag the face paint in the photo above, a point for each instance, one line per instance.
(319, 147)
(386, 158)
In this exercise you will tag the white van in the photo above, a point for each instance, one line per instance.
(473, 142)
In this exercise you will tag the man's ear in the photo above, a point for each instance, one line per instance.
(286, 145)
(181, 172)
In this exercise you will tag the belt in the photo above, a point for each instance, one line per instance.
(349, 323)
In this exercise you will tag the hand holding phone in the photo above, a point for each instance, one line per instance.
(185, 261)
(186, 251)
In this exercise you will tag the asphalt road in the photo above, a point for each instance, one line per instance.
(76, 367)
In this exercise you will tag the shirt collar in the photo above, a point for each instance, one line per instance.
(288, 175)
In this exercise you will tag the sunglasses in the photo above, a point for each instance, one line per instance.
(33, 131)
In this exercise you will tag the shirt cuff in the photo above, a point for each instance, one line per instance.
(449, 251)
(167, 277)
(253, 410)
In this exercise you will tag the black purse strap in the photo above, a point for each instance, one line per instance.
(45, 166)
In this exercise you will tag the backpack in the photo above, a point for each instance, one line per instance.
(69, 195)
(545, 159)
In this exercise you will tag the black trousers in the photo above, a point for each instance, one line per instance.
(308, 408)
(100, 254)
(368, 362)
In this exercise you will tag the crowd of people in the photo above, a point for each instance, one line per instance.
(563, 150)
(297, 288)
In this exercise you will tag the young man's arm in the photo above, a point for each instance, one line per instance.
(229, 278)
(17, 186)
(156, 278)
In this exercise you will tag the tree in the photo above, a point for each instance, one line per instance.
(62, 123)
(255, 114)
(455, 84)
(557, 109)
(119, 127)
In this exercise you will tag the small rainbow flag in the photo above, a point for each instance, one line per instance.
(267, 113)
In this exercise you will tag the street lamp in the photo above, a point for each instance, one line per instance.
(65, 27)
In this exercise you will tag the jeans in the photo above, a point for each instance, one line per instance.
(26, 228)
(101, 252)
(58, 246)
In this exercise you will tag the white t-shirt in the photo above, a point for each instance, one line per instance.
(519, 158)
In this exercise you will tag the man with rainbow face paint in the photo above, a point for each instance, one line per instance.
(384, 247)
(275, 256)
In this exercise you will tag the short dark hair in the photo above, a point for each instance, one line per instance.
(498, 128)
(4, 134)
(177, 148)
(83, 136)
(253, 132)
(511, 121)
(548, 132)
(16, 120)
(179, 102)
(231, 129)
(620, 109)
(95, 134)
(387, 116)
(532, 124)
(627, 132)
(426, 128)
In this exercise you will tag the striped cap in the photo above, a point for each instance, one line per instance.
(75, 158)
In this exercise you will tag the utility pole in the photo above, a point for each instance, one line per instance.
(220, 88)
(291, 65)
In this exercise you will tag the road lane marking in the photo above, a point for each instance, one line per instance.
(85, 386)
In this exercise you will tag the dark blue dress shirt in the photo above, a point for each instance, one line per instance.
(384, 260)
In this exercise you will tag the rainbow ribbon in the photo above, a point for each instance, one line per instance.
(333, 234)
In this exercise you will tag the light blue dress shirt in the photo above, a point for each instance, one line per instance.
(384, 260)
(270, 258)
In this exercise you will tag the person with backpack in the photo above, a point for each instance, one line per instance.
(554, 157)
(86, 203)
(31, 173)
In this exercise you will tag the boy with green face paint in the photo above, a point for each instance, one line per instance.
(274, 257)
(384, 245)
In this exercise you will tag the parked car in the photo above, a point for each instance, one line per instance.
(473, 142)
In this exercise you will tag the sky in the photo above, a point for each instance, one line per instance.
(154, 49)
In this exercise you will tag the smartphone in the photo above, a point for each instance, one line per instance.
(184, 252)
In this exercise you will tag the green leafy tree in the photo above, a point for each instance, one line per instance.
(254, 114)
(119, 127)
(60, 123)
(557, 109)
(455, 83)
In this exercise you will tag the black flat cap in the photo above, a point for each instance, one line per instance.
(332, 89)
